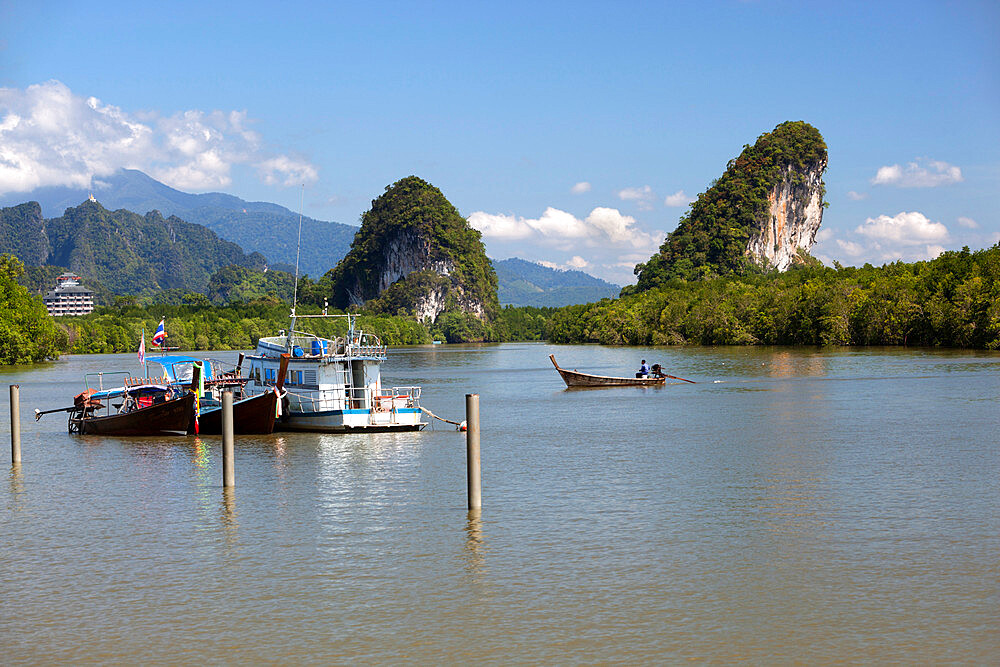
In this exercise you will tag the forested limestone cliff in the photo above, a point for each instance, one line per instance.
(415, 254)
(763, 213)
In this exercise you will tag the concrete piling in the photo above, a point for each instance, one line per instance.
(228, 471)
(15, 423)
(472, 451)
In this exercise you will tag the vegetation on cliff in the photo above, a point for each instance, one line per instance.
(712, 237)
(435, 234)
(27, 333)
(952, 301)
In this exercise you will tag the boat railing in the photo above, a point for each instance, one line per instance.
(398, 397)
(365, 345)
(360, 398)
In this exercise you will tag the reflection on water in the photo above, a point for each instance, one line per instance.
(200, 457)
(228, 514)
(813, 506)
(474, 547)
(16, 481)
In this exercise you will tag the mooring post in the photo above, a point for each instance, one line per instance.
(472, 451)
(228, 472)
(15, 423)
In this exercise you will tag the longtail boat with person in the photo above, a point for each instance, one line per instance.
(574, 378)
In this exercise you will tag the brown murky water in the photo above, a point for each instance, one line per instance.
(813, 506)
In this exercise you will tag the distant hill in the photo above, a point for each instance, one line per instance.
(524, 283)
(123, 251)
(262, 227)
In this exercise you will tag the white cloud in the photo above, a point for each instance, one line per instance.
(602, 227)
(824, 235)
(286, 171)
(50, 137)
(921, 173)
(856, 196)
(851, 248)
(580, 188)
(606, 243)
(575, 262)
(905, 228)
(968, 223)
(497, 226)
(678, 199)
(934, 250)
(643, 197)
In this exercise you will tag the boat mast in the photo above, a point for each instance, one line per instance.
(295, 288)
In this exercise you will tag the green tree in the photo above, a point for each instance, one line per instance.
(27, 333)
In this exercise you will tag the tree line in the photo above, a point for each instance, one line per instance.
(951, 301)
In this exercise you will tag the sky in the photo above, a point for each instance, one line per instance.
(574, 134)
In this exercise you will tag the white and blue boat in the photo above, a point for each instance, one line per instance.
(332, 385)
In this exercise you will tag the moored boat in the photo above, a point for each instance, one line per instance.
(575, 378)
(144, 409)
(332, 385)
(253, 414)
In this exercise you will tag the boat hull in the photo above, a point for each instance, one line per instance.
(251, 416)
(168, 418)
(577, 379)
(352, 421)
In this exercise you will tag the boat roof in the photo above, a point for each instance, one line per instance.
(168, 361)
(121, 391)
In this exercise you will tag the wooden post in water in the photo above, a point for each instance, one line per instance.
(228, 472)
(15, 423)
(472, 451)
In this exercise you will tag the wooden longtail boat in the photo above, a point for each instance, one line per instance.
(577, 379)
(253, 415)
(170, 417)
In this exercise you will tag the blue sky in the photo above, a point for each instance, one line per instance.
(570, 133)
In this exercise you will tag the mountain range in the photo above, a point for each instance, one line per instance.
(524, 283)
(125, 252)
(269, 229)
(256, 227)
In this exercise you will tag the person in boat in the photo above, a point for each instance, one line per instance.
(643, 370)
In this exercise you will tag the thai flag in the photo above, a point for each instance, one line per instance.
(159, 335)
(142, 348)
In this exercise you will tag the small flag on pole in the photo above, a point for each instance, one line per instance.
(142, 349)
(159, 336)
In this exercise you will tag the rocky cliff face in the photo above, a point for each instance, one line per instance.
(794, 215)
(761, 214)
(416, 254)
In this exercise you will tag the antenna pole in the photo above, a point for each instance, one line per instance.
(295, 288)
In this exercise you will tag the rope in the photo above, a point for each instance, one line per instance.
(461, 425)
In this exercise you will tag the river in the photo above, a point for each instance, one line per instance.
(795, 505)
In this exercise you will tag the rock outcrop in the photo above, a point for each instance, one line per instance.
(415, 254)
(762, 214)
(793, 219)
